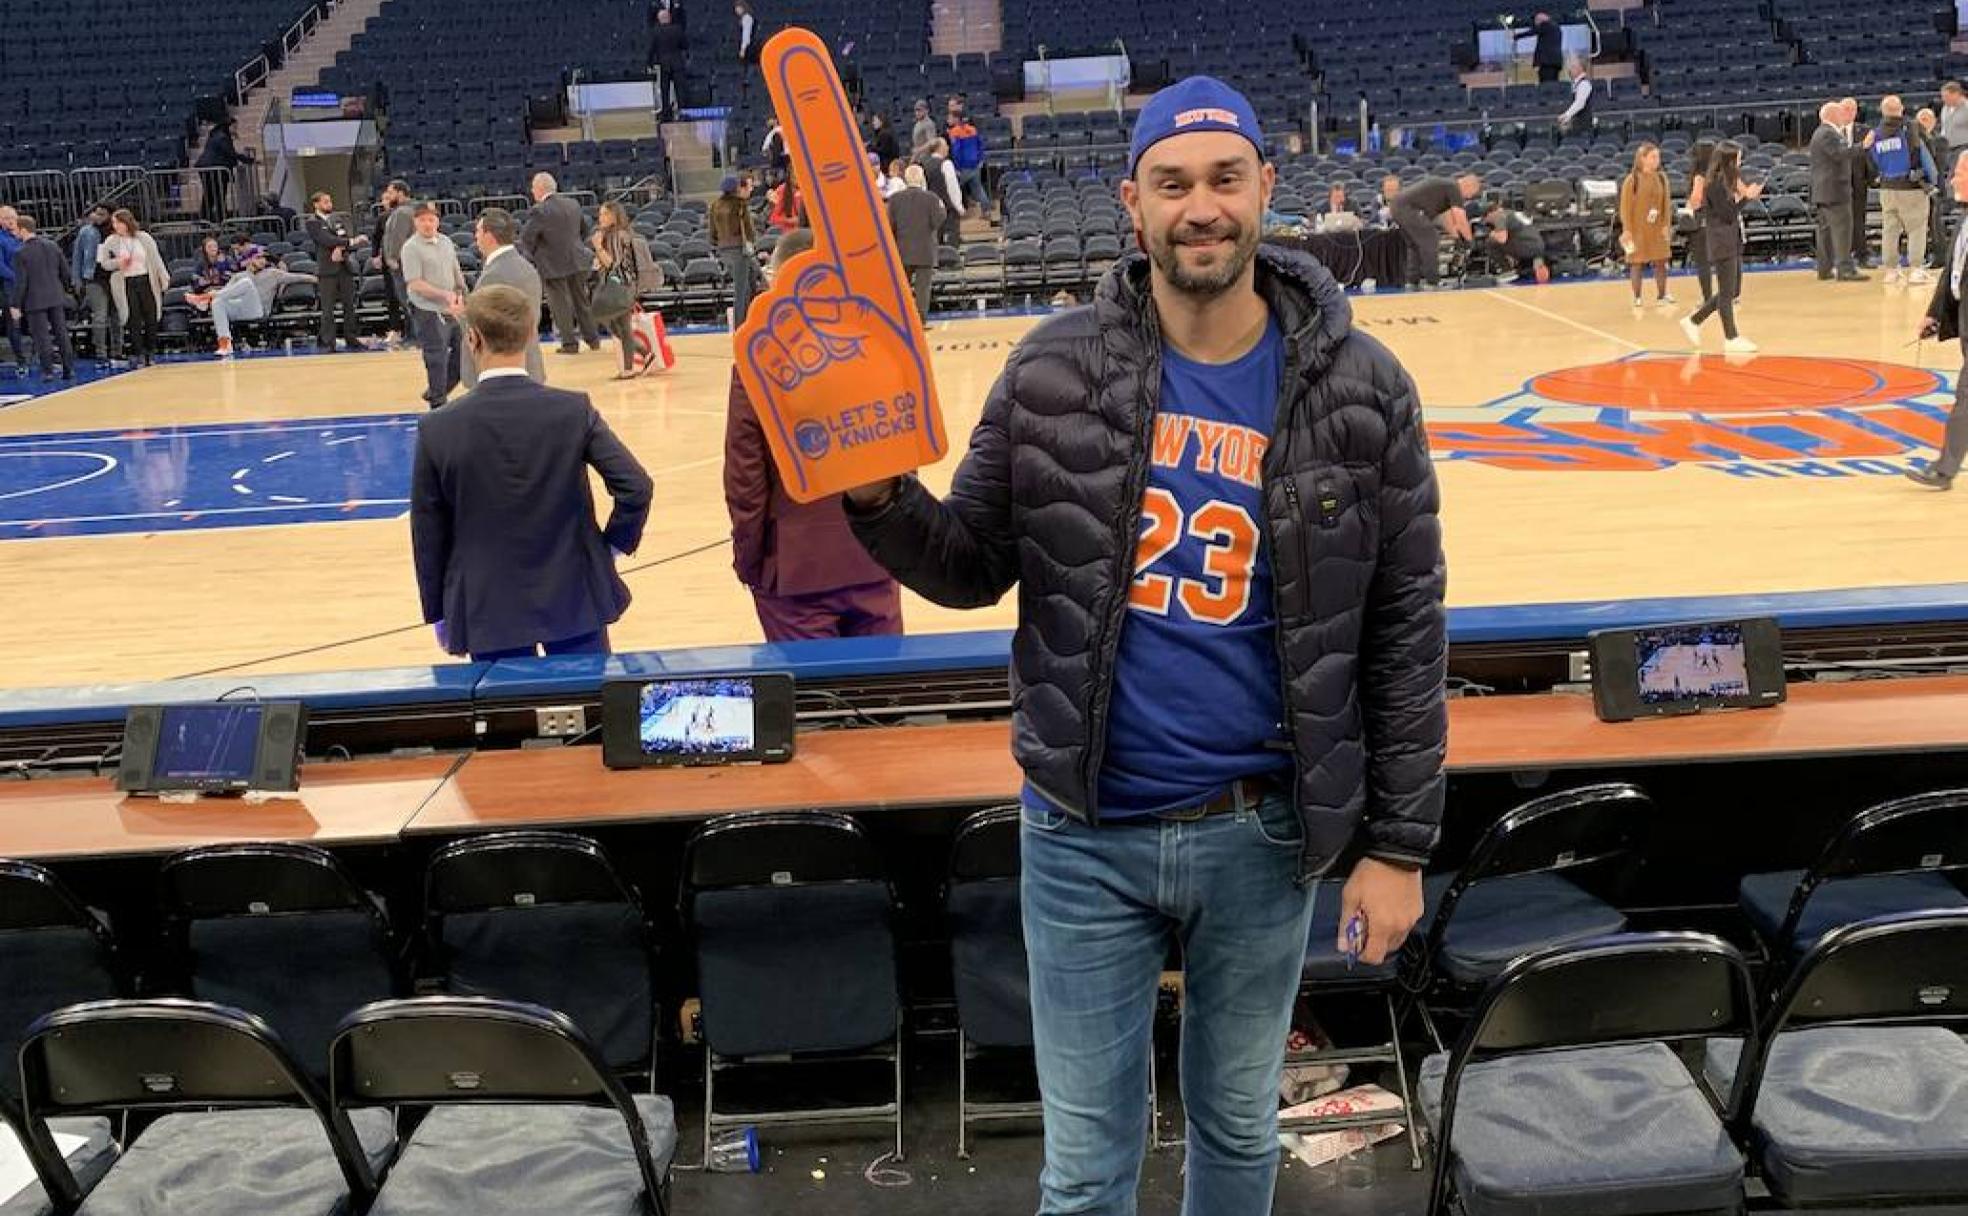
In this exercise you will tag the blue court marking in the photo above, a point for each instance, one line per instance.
(225, 475)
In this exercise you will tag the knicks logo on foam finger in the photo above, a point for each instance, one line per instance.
(1770, 417)
(833, 355)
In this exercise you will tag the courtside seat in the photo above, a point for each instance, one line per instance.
(1565, 1094)
(248, 1133)
(565, 1160)
(1585, 1131)
(1499, 919)
(1849, 1113)
(1765, 900)
(1900, 856)
(527, 1116)
(1854, 1091)
(237, 1163)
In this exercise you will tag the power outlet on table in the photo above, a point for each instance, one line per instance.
(561, 721)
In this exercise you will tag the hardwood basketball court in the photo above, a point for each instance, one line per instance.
(200, 516)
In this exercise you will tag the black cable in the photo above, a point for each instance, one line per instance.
(866, 718)
(390, 633)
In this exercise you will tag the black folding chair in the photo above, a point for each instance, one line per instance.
(281, 931)
(793, 903)
(278, 1146)
(1519, 892)
(53, 952)
(1897, 857)
(526, 1117)
(505, 912)
(1564, 1096)
(1856, 1090)
(987, 959)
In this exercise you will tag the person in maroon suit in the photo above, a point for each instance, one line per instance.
(808, 576)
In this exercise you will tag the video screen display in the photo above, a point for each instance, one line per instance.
(198, 743)
(696, 718)
(1690, 662)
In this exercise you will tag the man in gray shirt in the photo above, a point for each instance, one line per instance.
(434, 287)
(924, 132)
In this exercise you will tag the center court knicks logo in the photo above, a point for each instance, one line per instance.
(812, 439)
(1774, 416)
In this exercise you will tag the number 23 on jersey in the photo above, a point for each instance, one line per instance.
(1230, 538)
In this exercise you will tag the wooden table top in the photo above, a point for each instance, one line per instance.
(962, 764)
(969, 764)
(360, 802)
(1862, 717)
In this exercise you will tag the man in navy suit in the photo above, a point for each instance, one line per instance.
(509, 558)
(40, 298)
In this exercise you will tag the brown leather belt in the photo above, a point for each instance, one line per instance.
(1243, 794)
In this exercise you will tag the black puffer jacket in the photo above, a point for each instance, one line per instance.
(1049, 497)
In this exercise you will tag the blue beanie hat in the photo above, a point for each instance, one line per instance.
(728, 185)
(1199, 103)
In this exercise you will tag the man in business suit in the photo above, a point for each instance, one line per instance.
(336, 274)
(1548, 52)
(504, 266)
(669, 54)
(1947, 320)
(555, 240)
(40, 297)
(1831, 194)
(509, 557)
(808, 576)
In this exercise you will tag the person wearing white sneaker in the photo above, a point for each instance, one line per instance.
(1906, 170)
(1722, 198)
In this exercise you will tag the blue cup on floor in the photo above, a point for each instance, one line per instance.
(735, 1152)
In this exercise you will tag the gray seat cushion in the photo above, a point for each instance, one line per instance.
(1603, 1131)
(236, 1163)
(1846, 1113)
(88, 1162)
(522, 1160)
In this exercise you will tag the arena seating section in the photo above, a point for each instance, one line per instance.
(456, 74)
(114, 82)
(454, 79)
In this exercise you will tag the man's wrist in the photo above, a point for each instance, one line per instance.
(1398, 861)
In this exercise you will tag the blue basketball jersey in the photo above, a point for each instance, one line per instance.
(1197, 702)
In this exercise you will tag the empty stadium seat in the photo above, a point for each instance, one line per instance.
(1901, 856)
(503, 914)
(791, 902)
(281, 931)
(1565, 1095)
(246, 1131)
(1856, 1088)
(525, 1117)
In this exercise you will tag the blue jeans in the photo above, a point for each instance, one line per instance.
(1101, 905)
